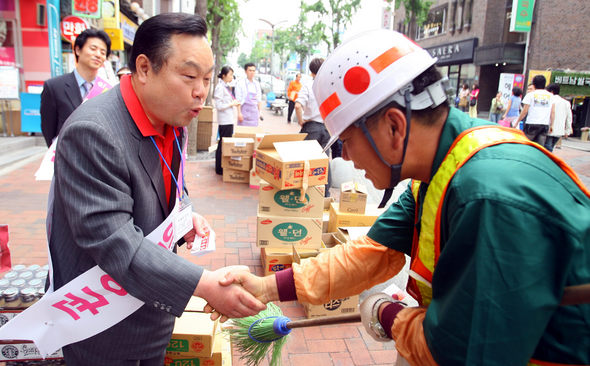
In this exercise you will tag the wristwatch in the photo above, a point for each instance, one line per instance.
(374, 324)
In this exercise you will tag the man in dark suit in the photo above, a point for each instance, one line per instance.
(117, 178)
(62, 94)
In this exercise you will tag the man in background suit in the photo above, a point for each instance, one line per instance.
(117, 166)
(62, 94)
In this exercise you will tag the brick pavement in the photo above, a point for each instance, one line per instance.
(231, 209)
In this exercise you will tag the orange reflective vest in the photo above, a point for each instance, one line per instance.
(426, 245)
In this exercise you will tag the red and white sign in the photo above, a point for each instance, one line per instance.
(71, 27)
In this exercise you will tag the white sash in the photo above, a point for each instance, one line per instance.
(86, 306)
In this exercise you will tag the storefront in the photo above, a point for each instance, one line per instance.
(455, 60)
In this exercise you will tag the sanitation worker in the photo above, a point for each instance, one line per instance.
(495, 225)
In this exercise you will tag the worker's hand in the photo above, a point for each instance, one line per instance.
(263, 288)
(370, 311)
(230, 301)
(200, 226)
(240, 116)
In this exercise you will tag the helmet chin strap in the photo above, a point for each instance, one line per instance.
(396, 169)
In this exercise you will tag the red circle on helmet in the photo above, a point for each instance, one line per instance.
(357, 80)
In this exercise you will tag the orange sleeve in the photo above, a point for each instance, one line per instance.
(408, 334)
(345, 270)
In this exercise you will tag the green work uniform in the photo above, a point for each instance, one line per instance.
(515, 230)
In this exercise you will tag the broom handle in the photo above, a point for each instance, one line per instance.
(572, 295)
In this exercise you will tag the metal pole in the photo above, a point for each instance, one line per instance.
(526, 53)
(272, 50)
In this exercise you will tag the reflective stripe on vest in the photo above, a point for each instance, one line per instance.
(467, 144)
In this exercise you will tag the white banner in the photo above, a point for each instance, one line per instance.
(45, 171)
(86, 306)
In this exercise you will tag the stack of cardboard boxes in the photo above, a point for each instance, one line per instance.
(255, 133)
(293, 176)
(197, 340)
(237, 159)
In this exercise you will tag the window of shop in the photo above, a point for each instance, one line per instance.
(434, 25)
(7, 42)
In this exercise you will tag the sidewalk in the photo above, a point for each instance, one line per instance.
(231, 210)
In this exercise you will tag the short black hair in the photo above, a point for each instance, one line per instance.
(224, 71)
(553, 88)
(152, 38)
(517, 91)
(539, 82)
(92, 33)
(315, 64)
(249, 64)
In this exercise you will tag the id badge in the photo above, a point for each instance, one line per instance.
(183, 222)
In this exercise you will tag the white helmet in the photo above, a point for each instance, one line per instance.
(366, 71)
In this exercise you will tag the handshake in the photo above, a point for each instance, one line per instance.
(234, 292)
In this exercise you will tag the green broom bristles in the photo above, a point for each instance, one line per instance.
(254, 335)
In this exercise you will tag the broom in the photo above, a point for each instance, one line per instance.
(255, 335)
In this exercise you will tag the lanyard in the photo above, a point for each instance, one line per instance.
(230, 93)
(180, 191)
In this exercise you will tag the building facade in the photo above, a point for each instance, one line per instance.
(473, 42)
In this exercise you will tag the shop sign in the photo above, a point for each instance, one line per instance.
(53, 29)
(522, 15)
(87, 8)
(116, 36)
(572, 83)
(434, 24)
(454, 53)
(110, 14)
(71, 27)
(30, 112)
(507, 82)
(129, 28)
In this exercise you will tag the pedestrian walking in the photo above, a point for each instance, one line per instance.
(496, 108)
(495, 227)
(537, 110)
(292, 93)
(473, 97)
(464, 98)
(561, 118)
(226, 105)
(513, 106)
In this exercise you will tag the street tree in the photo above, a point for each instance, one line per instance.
(339, 14)
(305, 37)
(416, 13)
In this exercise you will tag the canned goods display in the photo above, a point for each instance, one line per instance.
(19, 267)
(11, 275)
(18, 283)
(33, 267)
(23, 285)
(26, 275)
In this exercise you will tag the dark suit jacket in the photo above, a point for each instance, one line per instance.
(108, 195)
(60, 96)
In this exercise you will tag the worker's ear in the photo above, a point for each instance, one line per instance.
(143, 68)
(395, 121)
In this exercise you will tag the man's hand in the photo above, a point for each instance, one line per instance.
(200, 225)
(231, 301)
(263, 288)
(240, 115)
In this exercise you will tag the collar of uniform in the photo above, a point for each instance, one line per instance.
(457, 122)
(135, 109)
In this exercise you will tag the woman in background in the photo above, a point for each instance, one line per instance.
(226, 115)
(464, 98)
(513, 107)
(473, 101)
(496, 108)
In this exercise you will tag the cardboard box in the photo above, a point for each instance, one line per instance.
(347, 305)
(237, 162)
(353, 198)
(221, 355)
(255, 133)
(339, 219)
(204, 135)
(288, 202)
(254, 179)
(235, 176)
(192, 336)
(286, 161)
(327, 201)
(196, 304)
(584, 134)
(24, 351)
(276, 259)
(206, 114)
(237, 146)
(285, 231)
